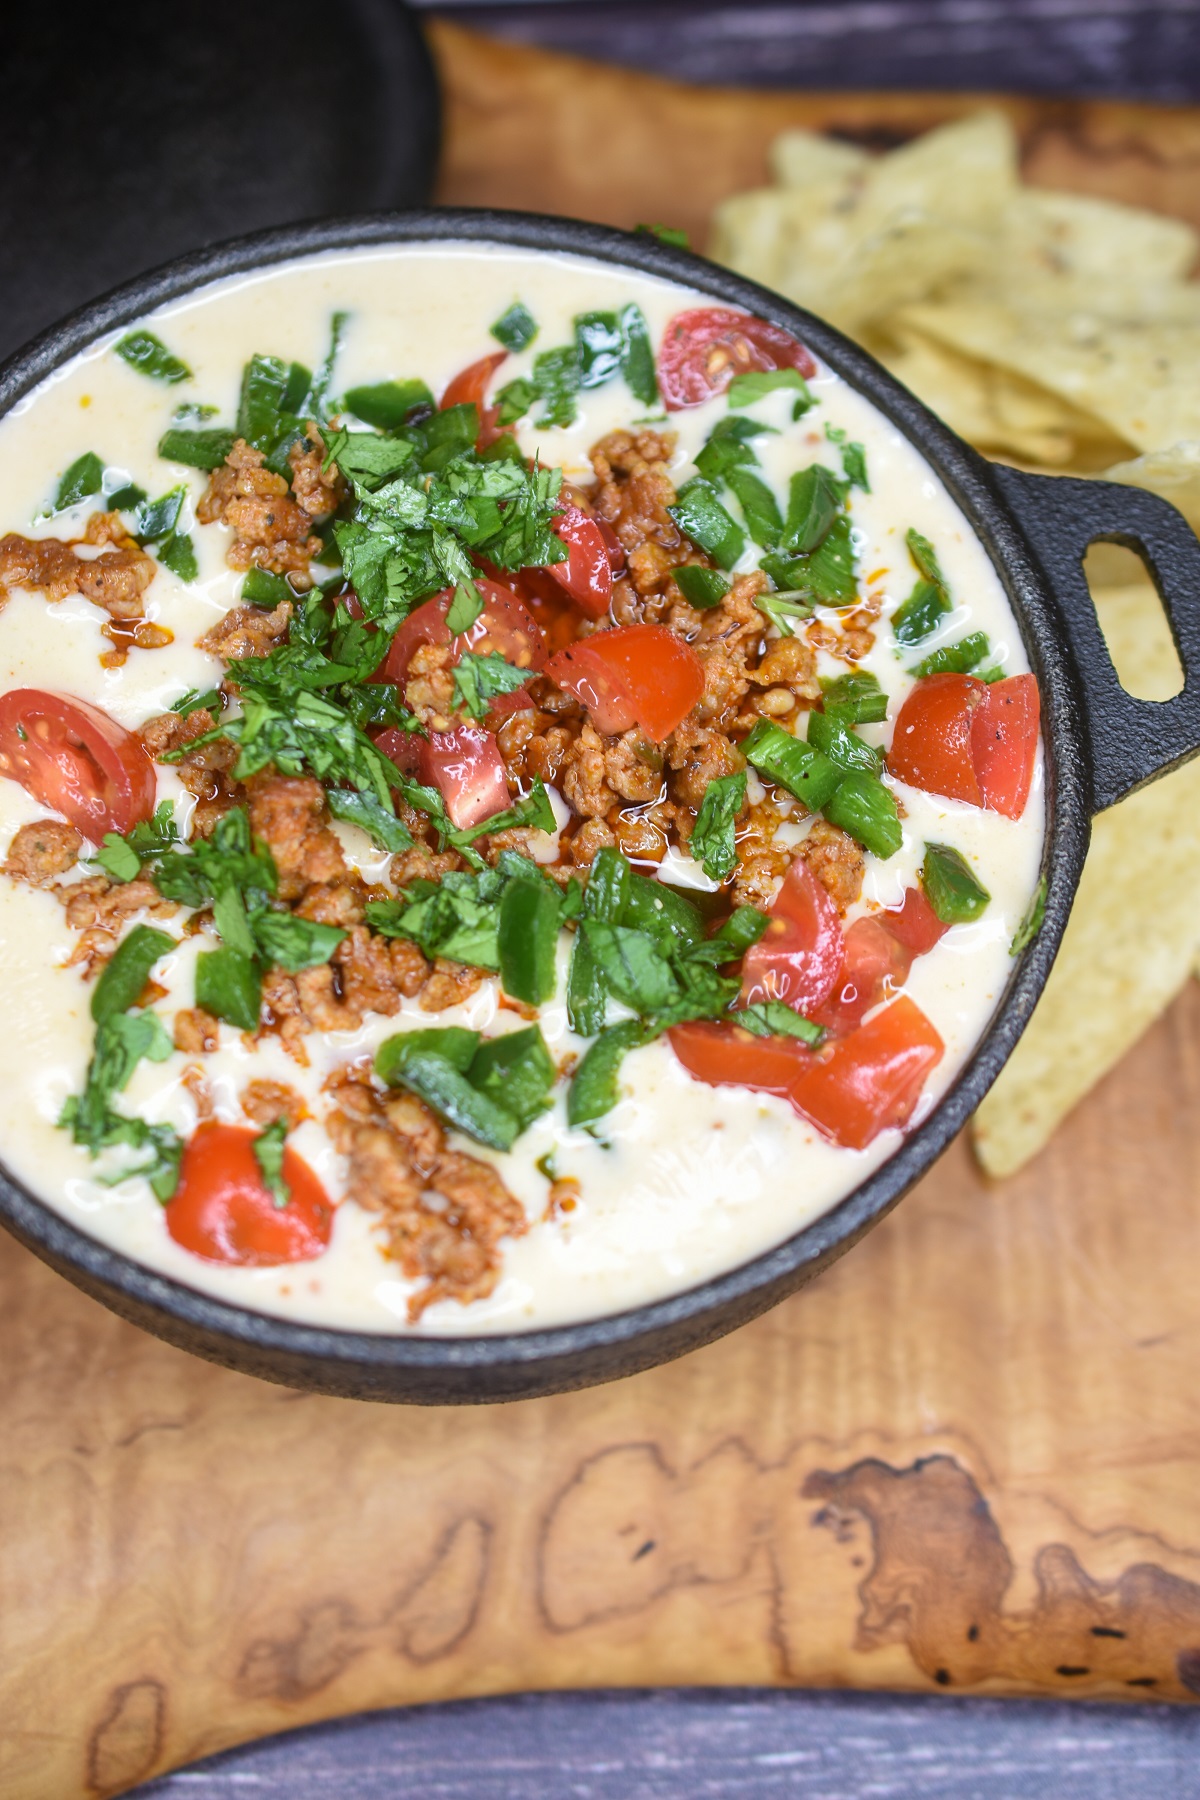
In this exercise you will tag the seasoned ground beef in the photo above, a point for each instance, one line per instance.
(115, 580)
(248, 631)
(444, 1212)
(42, 851)
(197, 1033)
(270, 529)
(288, 813)
(265, 1102)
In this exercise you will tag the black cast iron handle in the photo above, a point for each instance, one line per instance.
(1130, 741)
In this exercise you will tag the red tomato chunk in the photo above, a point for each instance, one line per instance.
(959, 737)
(798, 956)
(71, 756)
(851, 1089)
(469, 387)
(632, 675)
(224, 1212)
(704, 349)
(587, 574)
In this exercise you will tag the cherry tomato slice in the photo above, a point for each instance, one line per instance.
(402, 747)
(469, 387)
(874, 964)
(798, 957)
(1004, 734)
(728, 1056)
(915, 925)
(71, 756)
(505, 625)
(466, 767)
(931, 744)
(223, 1211)
(632, 675)
(587, 573)
(704, 349)
(861, 1084)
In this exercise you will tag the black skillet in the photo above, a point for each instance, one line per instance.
(1101, 744)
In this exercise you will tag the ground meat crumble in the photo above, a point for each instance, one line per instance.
(444, 1211)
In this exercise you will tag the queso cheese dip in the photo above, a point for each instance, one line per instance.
(521, 786)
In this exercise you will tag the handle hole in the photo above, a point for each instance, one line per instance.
(1133, 621)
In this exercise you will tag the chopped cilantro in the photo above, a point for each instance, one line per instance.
(478, 680)
(744, 390)
(771, 1018)
(1031, 924)
(667, 234)
(712, 842)
(178, 553)
(465, 607)
(268, 1149)
(854, 457)
(85, 476)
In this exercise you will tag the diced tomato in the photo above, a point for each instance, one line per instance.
(71, 756)
(223, 1210)
(466, 767)
(728, 1056)
(613, 544)
(1004, 734)
(915, 925)
(874, 964)
(859, 1085)
(402, 747)
(469, 387)
(931, 745)
(959, 737)
(632, 675)
(587, 574)
(704, 349)
(505, 625)
(798, 957)
(851, 1089)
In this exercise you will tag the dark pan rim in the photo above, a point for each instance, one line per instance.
(648, 1333)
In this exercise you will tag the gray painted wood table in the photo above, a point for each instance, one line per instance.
(742, 1744)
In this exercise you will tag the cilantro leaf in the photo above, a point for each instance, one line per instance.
(465, 607)
(268, 1154)
(363, 810)
(712, 842)
(478, 680)
(85, 476)
(771, 1018)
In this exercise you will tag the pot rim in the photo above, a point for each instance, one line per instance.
(547, 1359)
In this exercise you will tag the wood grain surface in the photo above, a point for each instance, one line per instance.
(967, 1458)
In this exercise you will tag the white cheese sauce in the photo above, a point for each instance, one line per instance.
(683, 1181)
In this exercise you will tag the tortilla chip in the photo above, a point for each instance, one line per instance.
(1173, 473)
(1134, 933)
(999, 412)
(1139, 381)
(854, 238)
(805, 159)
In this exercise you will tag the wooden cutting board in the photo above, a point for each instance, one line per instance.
(968, 1456)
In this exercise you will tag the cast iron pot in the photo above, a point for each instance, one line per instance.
(1101, 744)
